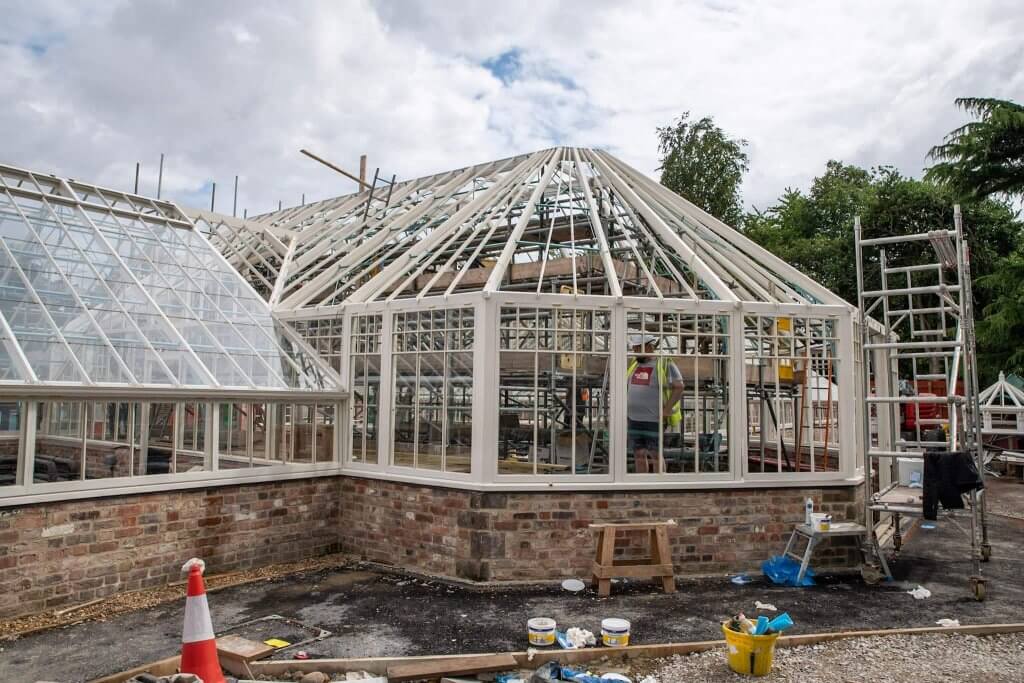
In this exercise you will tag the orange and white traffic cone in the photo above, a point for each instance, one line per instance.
(198, 647)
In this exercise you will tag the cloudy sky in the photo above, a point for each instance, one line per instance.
(226, 88)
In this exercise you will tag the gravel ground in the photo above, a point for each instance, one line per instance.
(884, 659)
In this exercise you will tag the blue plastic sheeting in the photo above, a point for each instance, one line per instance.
(783, 571)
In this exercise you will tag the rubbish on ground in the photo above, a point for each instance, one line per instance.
(548, 672)
(573, 585)
(581, 637)
(928, 526)
(563, 641)
(315, 677)
(612, 676)
(531, 652)
(948, 623)
(784, 570)
(740, 579)
(541, 631)
(920, 593)
(767, 607)
(277, 642)
(649, 679)
(301, 654)
(762, 626)
(506, 678)
(615, 632)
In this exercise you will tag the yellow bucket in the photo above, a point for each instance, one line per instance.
(747, 654)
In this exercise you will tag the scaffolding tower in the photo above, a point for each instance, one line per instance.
(923, 361)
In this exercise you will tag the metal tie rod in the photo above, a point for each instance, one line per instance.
(921, 237)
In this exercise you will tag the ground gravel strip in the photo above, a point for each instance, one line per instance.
(880, 659)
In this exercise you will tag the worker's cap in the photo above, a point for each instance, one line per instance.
(642, 339)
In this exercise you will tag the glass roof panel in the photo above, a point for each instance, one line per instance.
(94, 296)
(8, 369)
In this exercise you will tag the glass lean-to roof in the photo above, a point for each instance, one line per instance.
(99, 287)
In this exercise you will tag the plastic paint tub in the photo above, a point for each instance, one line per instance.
(542, 631)
(615, 632)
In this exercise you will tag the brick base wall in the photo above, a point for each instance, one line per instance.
(541, 536)
(58, 554)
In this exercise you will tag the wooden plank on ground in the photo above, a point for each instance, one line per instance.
(523, 660)
(414, 671)
(164, 667)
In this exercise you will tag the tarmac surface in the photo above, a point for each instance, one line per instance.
(369, 613)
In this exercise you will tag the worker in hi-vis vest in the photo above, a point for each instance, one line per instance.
(653, 388)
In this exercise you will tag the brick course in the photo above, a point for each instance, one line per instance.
(58, 554)
(541, 535)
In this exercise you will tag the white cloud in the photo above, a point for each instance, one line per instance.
(238, 88)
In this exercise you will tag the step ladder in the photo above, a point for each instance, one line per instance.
(917, 321)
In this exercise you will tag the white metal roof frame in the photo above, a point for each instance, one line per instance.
(561, 216)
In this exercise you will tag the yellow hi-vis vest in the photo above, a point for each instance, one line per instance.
(676, 417)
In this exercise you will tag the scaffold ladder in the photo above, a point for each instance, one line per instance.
(917, 337)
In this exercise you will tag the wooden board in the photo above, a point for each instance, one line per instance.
(164, 667)
(415, 671)
(242, 649)
(524, 660)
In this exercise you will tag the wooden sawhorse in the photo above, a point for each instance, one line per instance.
(657, 566)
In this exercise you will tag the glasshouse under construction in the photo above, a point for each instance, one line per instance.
(454, 374)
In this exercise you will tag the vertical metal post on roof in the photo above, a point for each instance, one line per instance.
(362, 171)
(278, 204)
(213, 195)
(136, 177)
(234, 205)
(303, 198)
(160, 176)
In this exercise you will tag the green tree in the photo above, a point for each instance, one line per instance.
(814, 232)
(700, 162)
(984, 157)
(1001, 327)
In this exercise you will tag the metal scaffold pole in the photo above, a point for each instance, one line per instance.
(917, 340)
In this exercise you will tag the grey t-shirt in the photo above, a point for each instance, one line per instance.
(644, 396)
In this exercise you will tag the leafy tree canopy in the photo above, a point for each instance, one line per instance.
(700, 162)
(984, 157)
(814, 232)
